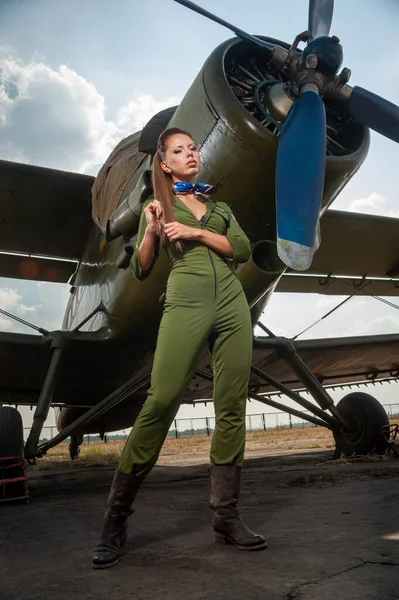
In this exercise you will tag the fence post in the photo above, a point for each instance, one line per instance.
(392, 409)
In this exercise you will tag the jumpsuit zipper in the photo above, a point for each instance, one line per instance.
(213, 266)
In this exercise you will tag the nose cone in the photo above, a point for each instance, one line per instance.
(329, 54)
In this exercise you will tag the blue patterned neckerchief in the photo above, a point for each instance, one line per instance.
(199, 189)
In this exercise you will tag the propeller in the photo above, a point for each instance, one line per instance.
(239, 32)
(301, 161)
(320, 17)
(301, 152)
(300, 168)
(375, 112)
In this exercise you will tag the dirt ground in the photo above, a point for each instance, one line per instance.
(332, 528)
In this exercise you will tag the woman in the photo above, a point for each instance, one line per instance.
(204, 305)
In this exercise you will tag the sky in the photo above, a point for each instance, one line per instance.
(78, 76)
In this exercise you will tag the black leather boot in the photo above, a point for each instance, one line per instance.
(227, 524)
(119, 507)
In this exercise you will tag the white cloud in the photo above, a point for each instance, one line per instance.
(56, 118)
(136, 113)
(9, 299)
(6, 324)
(375, 204)
(327, 303)
(374, 326)
(52, 117)
(29, 309)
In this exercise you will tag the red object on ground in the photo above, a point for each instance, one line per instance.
(13, 480)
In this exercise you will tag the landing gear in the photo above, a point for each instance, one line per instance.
(74, 446)
(365, 417)
(11, 432)
(13, 481)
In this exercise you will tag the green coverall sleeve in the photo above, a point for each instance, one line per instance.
(239, 242)
(138, 272)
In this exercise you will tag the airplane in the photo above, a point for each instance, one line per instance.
(294, 133)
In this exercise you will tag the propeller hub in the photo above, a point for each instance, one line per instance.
(329, 54)
(278, 101)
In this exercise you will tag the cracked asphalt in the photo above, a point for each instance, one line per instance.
(332, 528)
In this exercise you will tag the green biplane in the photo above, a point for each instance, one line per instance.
(282, 131)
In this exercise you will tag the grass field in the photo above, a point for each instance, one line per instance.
(194, 449)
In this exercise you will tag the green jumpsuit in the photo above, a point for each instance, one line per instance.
(204, 305)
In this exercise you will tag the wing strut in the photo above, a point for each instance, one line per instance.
(59, 341)
(330, 312)
(10, 316)
(115, 398)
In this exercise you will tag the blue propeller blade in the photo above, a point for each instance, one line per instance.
(300, 170)
(375, 112)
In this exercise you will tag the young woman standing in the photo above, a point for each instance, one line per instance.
(205, 306)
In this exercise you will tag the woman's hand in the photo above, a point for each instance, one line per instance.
(153, 213)
(177, 231)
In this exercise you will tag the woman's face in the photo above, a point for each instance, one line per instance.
(182, 159)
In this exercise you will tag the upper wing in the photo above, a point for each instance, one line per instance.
(352, 244)
(44, 213)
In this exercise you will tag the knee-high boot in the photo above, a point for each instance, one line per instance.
(119, 507)
(227, 524)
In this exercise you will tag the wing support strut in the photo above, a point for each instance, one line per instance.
(285, 349)
(325, 420)
(125, 391)
(58, 342)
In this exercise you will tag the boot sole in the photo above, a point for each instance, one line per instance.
(122, 552)
(219, 538)
(106, 565)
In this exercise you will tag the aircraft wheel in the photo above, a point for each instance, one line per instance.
(365, 417)
(11, 432)
(74, 446)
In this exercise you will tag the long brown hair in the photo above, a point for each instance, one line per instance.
(162, 182)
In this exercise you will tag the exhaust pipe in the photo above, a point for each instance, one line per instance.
(261, 272)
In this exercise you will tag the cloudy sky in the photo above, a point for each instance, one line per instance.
(78, 76)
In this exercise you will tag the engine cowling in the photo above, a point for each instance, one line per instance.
(238, 140)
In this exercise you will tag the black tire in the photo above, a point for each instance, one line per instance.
(11, 432)
(365, 417)
(74, 446)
